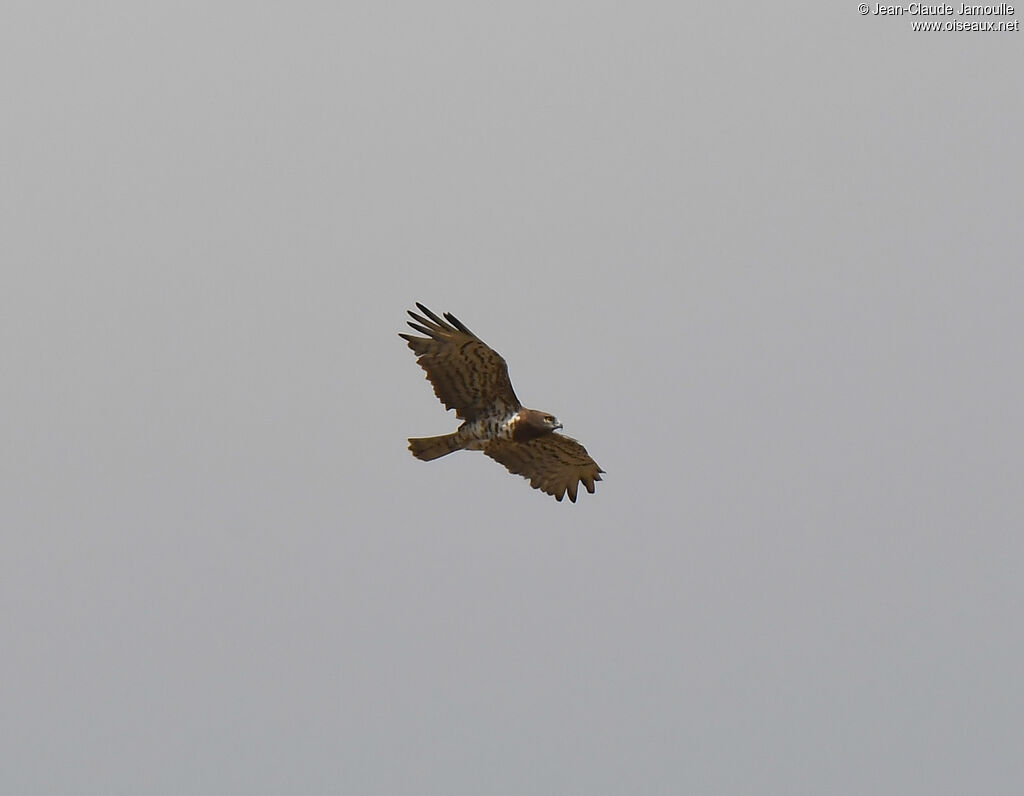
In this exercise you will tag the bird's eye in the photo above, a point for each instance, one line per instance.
(549, 419)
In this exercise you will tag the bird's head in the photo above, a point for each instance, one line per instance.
(551, 422)
(533, 423)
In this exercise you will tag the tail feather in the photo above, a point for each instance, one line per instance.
(430, 448)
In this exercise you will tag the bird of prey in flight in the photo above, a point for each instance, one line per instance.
(472, 378)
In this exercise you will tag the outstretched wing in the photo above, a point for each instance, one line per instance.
(468, 375)
(554, 463)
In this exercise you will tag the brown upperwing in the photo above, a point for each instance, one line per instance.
(554, 463)
(468, 375)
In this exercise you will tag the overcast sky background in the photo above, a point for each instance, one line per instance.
(765, 263)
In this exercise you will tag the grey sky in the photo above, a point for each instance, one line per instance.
(763, 261)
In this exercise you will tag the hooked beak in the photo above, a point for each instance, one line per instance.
(556, 425)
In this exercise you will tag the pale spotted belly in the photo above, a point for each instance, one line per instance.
(477, 433)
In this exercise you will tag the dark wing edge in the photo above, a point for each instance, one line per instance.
(555, 464)
(435, 326)
(467, 374)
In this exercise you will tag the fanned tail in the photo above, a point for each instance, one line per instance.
(429, 448)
